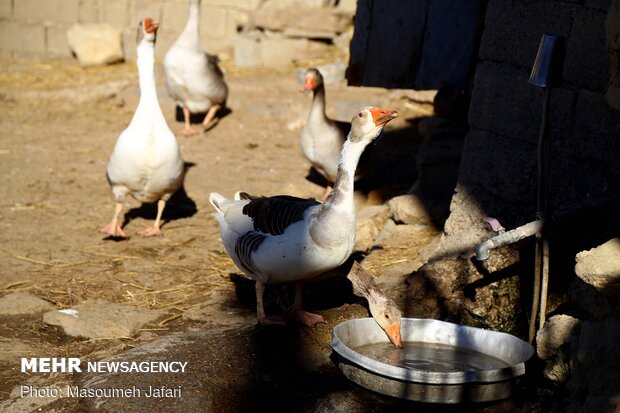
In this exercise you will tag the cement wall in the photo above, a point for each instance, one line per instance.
(38, 27)
(498, 174)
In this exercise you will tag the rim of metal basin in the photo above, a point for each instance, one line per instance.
(506, 347)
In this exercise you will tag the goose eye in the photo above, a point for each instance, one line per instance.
(387, 316)
(360, 115)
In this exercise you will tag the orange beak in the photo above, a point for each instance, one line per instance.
(393, 333)
(382, 116)
(150, 25)
(310, 84)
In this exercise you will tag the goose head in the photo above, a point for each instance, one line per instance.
(368, 122)
(147, 30)
(313, 80)
(383, 309)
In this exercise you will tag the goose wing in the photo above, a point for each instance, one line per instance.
(272, 215)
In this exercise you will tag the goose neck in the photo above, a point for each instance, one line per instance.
(342, 193)
(334, 223)
(191, 33)
(317, 110)
(146, 75)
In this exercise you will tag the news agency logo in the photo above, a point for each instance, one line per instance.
(73, 364)
(51, 365)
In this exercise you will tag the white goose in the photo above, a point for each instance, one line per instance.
(193, 78)
(282, 239)
(146, 162)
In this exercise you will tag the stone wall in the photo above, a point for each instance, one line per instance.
(580, 344)
(498, 175)
(498, 178)
(38, 27)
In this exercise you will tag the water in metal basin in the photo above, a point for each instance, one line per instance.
(431, 357)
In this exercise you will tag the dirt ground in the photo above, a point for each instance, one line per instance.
(58, 125)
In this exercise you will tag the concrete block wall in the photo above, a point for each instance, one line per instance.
(37, 28)
(498, 174)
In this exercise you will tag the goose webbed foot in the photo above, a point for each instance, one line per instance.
(154, 230)
(296, 313)
(210, 120)
(150, 232)
(306, 318)
(188, 131)
(114, 230)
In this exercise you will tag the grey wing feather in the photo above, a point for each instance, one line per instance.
(274, 214)
(245, 246)
(212, 62)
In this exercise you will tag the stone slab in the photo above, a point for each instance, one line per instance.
(23, 303)
(99, 319)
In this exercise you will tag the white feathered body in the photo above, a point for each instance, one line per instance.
(293, 255)
(146, 162)
(193, 78)
(282, 239)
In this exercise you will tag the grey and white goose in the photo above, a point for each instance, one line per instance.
(193, 78)
(321, 137)
(382, 308)
(283, 239)
(146, 162)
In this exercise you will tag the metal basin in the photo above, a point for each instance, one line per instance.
(425, 383)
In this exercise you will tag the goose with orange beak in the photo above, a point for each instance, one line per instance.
(146, 162)
(284, 239)
(383, 309)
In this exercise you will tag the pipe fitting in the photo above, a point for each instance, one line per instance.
(509, 237)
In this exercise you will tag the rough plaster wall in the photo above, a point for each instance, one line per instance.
(499, 170)
(37, 28)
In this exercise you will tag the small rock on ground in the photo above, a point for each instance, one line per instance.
(409, 209)
(100, 319)
(23, 303)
